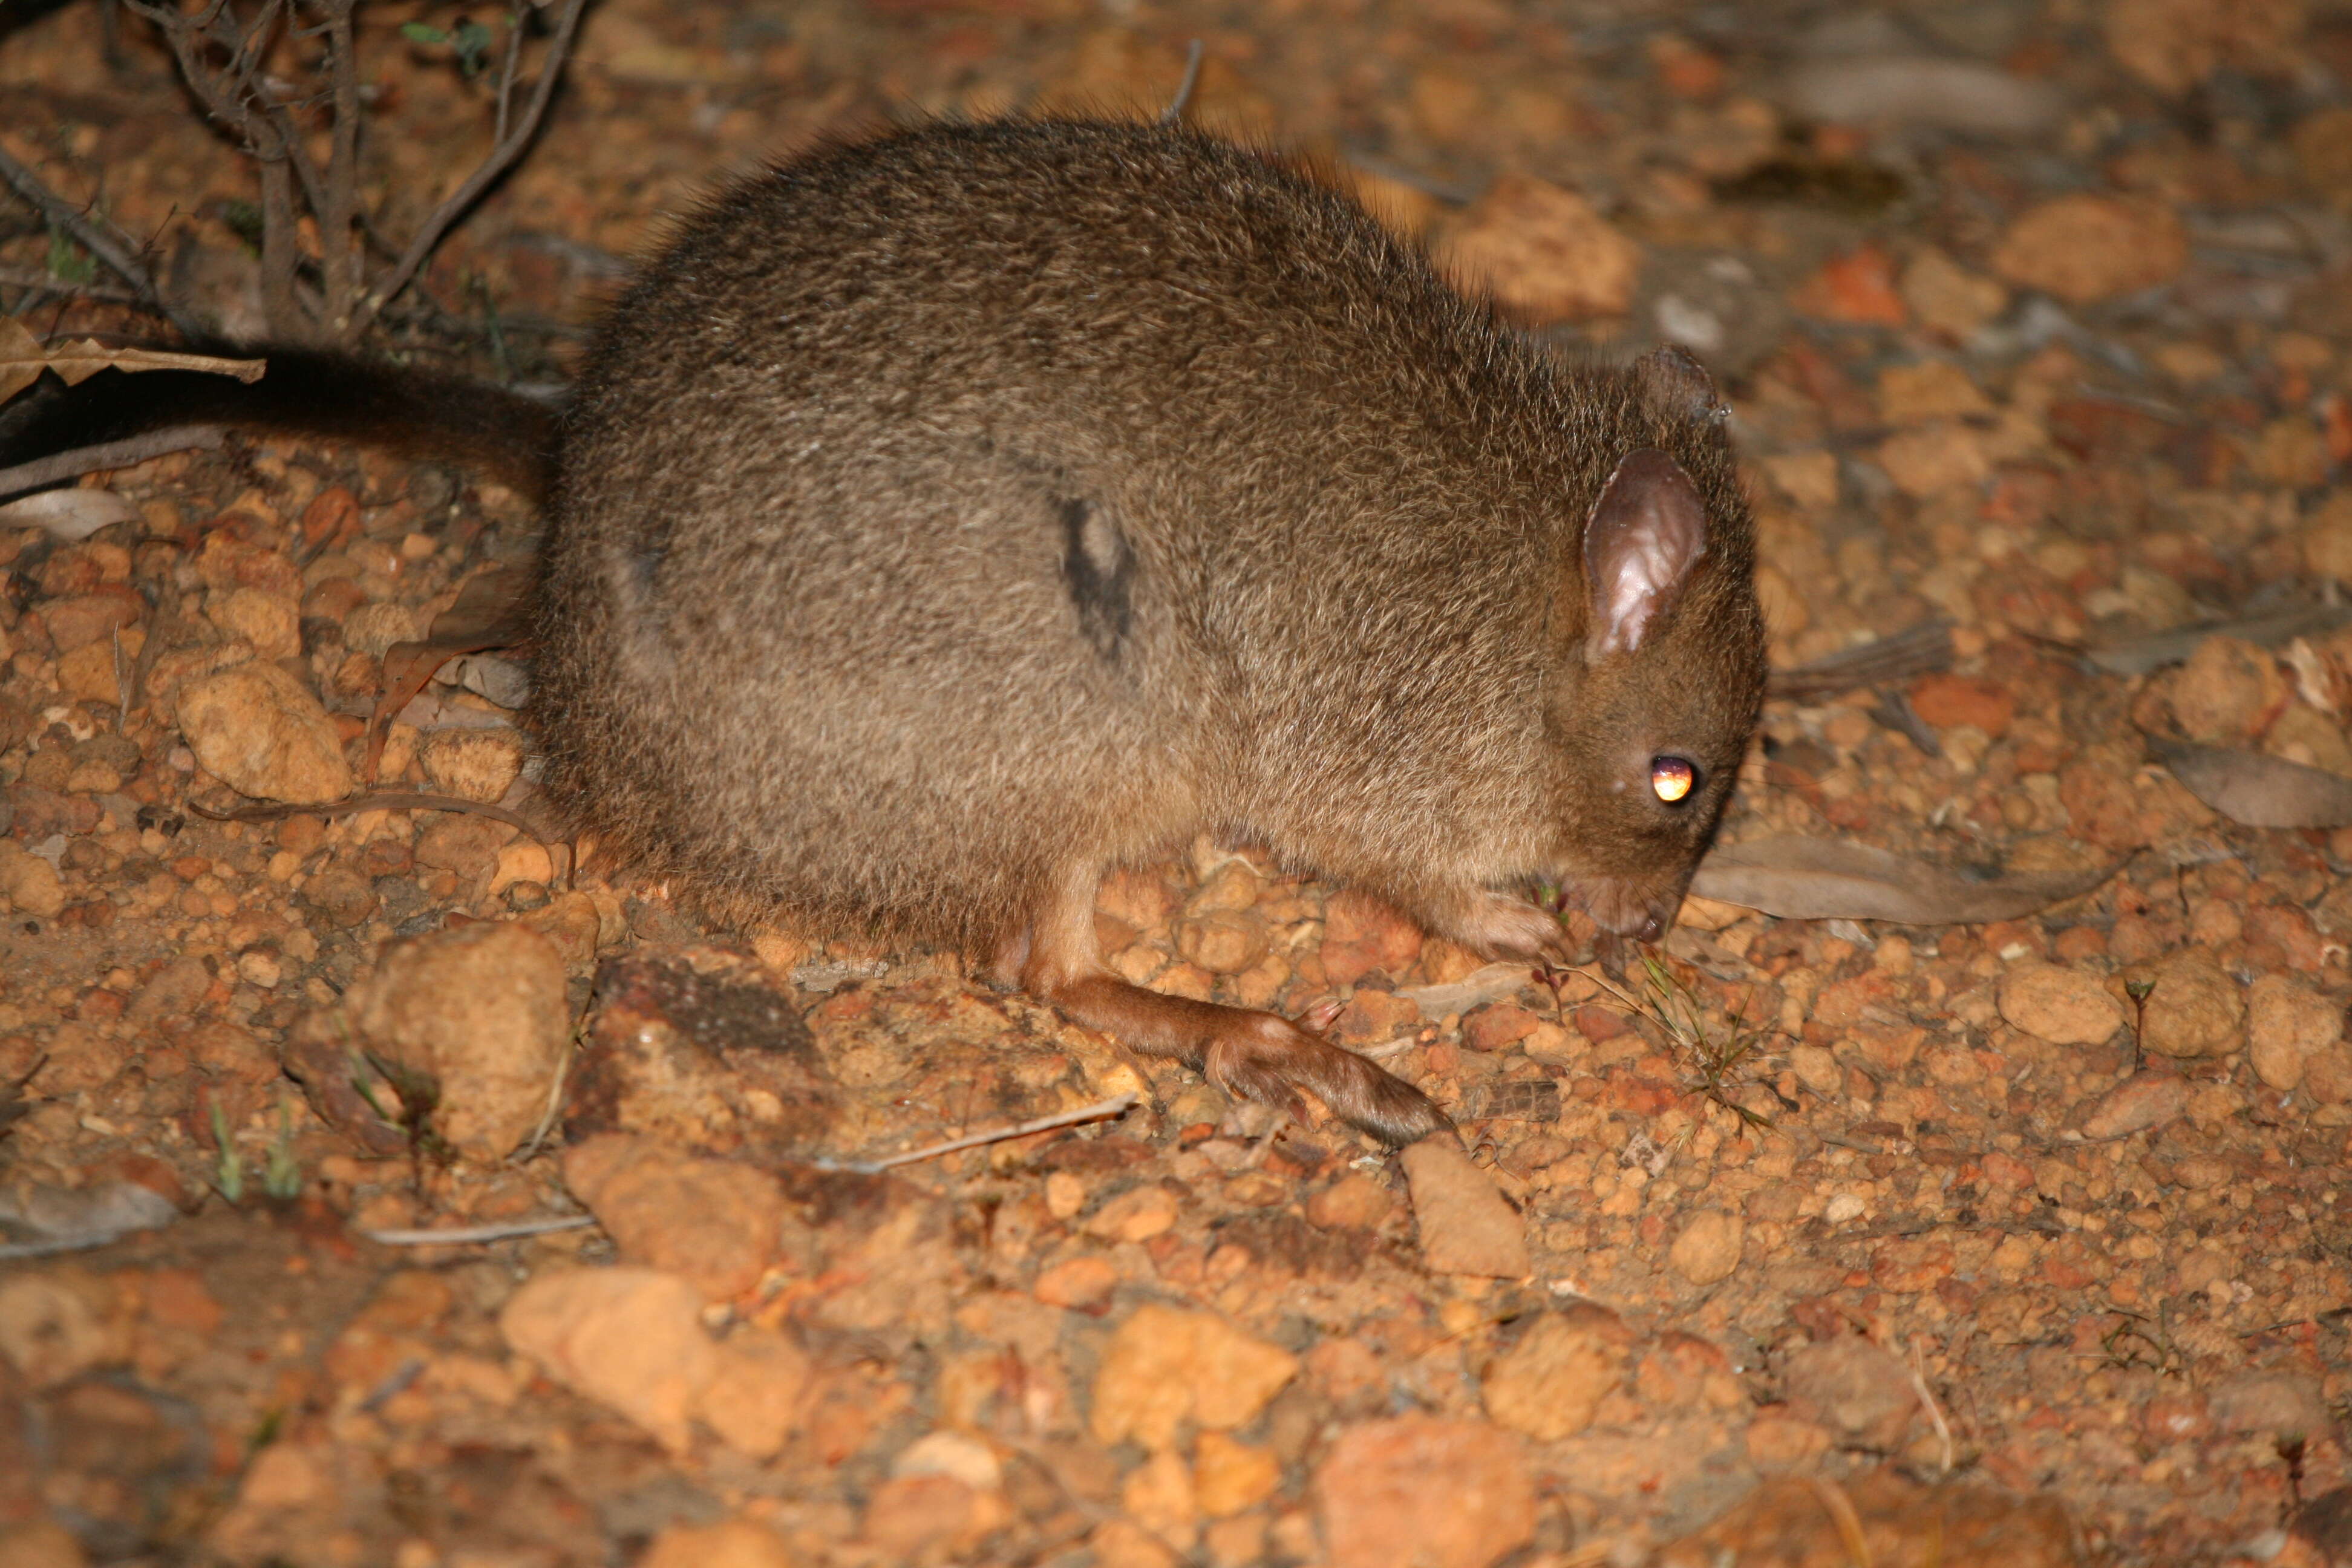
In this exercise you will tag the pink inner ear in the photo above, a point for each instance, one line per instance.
(1646, 531)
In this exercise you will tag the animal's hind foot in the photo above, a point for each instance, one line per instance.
(1263, 1058)
(1253, 1055)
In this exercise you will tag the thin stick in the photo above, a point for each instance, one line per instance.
(1849, 1523)
(121, 685)
(29, 277)
(1918, 1370)
(394, 801)
(1100, 1111)
(94, 239)
(107, 454)
(501, 158)
(472, 1235)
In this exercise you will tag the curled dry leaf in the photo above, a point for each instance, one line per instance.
(1821, 878)
(23, 357)
(2257, 790)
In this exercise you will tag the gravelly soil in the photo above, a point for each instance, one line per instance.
(1810, 1240)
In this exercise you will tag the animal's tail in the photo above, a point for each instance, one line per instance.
(304, 392)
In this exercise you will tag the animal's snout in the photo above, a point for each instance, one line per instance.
(1637, 909)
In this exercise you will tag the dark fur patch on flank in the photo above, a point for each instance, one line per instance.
(1098, 565)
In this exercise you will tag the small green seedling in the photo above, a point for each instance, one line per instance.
(228, 1168)
(281, 1178)
(68, 261)
(1718, 1053)
(468, 39)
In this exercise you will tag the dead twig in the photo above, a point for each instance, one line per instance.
(393, 801)
(475, 1234)
(1918, 1370)
(108, 455)
(550, 1118)
(1100, 1111)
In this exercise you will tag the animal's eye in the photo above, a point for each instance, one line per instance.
(1673, 778)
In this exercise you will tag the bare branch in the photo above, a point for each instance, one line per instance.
(234, 93)
(245, 62)
(111, 250)
(501, 158)
(187, 35)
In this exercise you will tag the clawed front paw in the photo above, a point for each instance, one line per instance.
(1501, 926)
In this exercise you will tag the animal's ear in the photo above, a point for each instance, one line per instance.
(1678, 386)
(1646, 532)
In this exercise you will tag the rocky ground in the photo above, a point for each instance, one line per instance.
(1950, 1225)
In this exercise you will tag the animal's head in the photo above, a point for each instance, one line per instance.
(1660, 653)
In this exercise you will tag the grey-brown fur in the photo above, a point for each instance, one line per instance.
(941, 518)
(807, 634)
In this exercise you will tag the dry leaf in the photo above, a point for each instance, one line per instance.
(68, 513)
(2141, 655)
(2257, 790)
(23, 357)
(487, 615)
(1491, 983)
(1821, 878)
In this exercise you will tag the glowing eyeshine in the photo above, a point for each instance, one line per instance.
(1673, 778)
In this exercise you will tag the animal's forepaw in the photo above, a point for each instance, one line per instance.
(1501, 926)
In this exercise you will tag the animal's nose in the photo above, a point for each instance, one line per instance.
(1647, 929)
